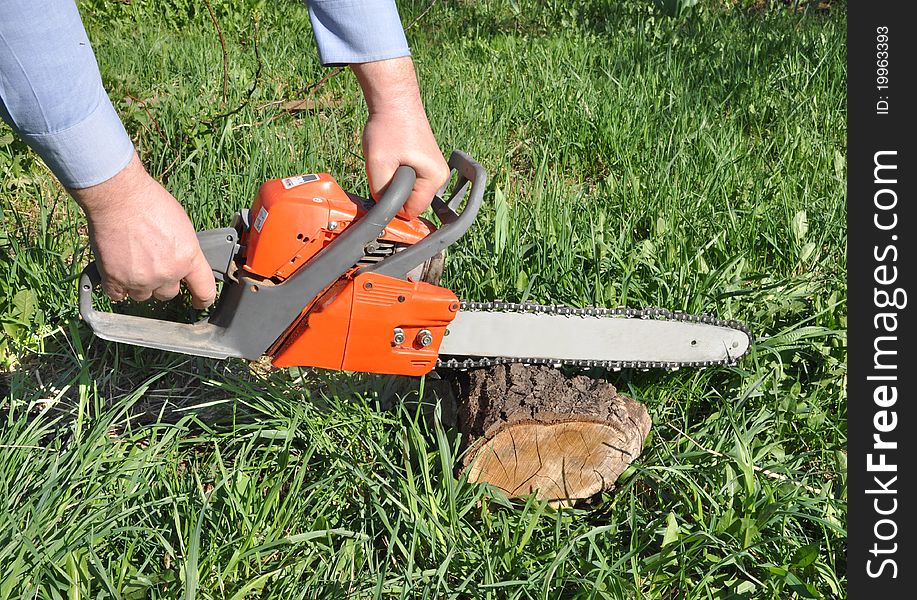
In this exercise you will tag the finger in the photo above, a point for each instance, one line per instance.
(115, 293)
(167, 291)
(200, 283)
(422, 195)
(418, 201)
(380, 175)
(140, 295)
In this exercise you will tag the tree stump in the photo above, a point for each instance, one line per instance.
(531, 429)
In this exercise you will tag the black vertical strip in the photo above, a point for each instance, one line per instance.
(882, 424)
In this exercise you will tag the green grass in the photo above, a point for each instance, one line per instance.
(696, 163)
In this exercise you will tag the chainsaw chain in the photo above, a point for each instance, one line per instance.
(591, 311)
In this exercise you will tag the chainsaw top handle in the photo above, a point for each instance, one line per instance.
(469, 175)
(252, 312)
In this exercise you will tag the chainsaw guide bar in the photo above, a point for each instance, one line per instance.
(731, 339)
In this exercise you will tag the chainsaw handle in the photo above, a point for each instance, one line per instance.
(200, 339)
(219, 247)
(454, 224)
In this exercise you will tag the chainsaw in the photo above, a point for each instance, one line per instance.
(314, 276)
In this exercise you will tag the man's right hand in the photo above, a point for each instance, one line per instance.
(144, 243)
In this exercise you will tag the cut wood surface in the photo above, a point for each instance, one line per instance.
(531, 429)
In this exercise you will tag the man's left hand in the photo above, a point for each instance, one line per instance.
(398, 132)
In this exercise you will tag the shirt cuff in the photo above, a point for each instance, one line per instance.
(355, 31)
(88, 153)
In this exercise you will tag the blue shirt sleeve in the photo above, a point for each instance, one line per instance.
(51, 92)
(357, 31)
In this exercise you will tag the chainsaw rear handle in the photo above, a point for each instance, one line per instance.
(252, 312)
(454, 224)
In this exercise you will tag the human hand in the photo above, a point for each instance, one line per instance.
(398, 132)
(143, 242)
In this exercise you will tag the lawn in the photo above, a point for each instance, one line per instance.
(695, 162)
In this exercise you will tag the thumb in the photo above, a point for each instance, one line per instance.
(200, 282)
(379, 174)
(421, 195)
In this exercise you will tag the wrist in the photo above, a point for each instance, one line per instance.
(389, 86)
(113, 198)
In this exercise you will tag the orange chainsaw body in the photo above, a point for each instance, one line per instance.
(293, 221)
(362, 322)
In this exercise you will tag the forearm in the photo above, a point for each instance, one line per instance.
(369, 37)
(110, 200)
(51, 92)
(348, 32)
(397, 131)
(389, 86)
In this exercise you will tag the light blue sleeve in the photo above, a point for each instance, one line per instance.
(51, 92)
(357, 31)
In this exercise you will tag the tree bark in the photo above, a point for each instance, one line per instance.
(531, 429)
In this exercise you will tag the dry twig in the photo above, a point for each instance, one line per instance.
(216, 24)
(143, 104)
(254, 86)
